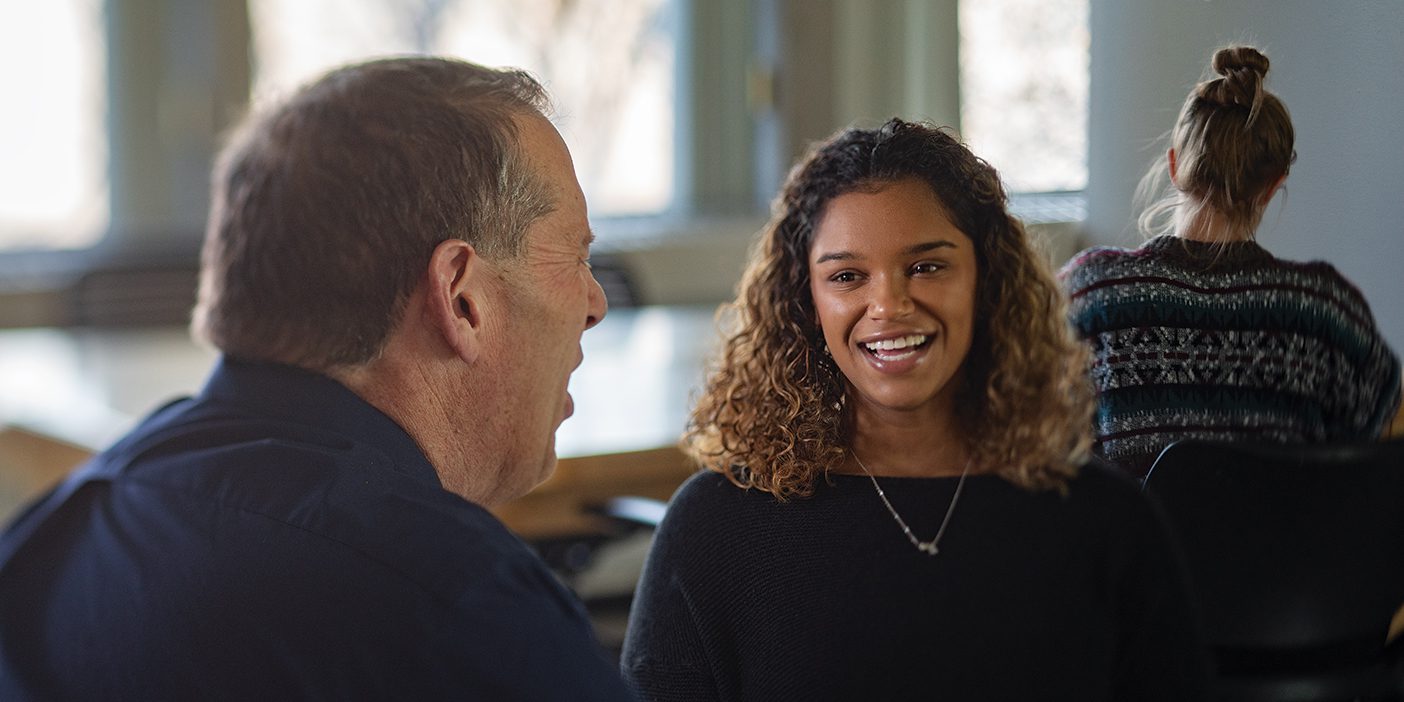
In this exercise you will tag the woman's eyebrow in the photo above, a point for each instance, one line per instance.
(922, 247)
(931, 246)
(837, 256)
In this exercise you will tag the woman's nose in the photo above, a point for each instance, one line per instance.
(891, 298)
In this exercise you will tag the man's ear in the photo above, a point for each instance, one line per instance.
(454, 297)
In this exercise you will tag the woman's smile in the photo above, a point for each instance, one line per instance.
(896, 354)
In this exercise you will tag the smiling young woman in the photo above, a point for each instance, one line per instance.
(898, 503)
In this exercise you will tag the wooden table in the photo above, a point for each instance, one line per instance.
(66, 392)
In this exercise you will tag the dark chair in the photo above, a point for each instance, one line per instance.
(616, 277)
(1296, 554)
(155, 293)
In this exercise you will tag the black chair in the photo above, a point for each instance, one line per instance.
(1296, 554)
(616, 278)
(153, 293)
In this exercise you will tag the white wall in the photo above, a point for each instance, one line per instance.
(1338, 66)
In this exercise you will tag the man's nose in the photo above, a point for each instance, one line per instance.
(598, 305)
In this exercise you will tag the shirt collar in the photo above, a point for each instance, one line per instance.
(296, 395)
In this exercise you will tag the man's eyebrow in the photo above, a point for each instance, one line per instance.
(923, 247)
(589, 237)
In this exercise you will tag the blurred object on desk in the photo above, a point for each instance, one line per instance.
(138, 294)
(31, 463)
(88, 386)
(569, 502)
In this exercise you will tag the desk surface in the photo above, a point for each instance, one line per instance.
(89, 386)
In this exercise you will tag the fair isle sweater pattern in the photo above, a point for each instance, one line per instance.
(1194, 340)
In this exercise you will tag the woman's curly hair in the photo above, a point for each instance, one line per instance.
(773, 414)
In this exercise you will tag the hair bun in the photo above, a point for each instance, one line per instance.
(1232, 60)
(1242, 68)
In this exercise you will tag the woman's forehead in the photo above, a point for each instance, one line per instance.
(900, 216)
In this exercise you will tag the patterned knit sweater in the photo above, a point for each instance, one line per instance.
(1197, 340)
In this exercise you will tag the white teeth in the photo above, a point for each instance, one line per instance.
(898, 343)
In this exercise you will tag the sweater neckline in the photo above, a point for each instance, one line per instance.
(1207, 253)
(908, 479)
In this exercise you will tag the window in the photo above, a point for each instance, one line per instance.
(53, 185)
(608, 65)
(1024, 76)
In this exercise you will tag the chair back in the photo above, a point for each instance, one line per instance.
(1288, 546)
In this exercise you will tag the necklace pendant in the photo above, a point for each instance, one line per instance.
(926, 547)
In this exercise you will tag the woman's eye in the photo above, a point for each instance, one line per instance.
(928, 267)
(843, 277)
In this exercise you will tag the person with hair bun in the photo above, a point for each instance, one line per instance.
(1200, 332)
(897, 501)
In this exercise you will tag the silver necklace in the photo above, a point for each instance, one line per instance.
(927, 547)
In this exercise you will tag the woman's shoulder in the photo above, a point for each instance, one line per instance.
(1325, 277)
(711, 500)
(1094, 259)
(1102, 476)
(710, 505)
(1110, 267)
(707, 490)
(1319, 288)
(712, 528)
(1102, 510)
(1108, 492)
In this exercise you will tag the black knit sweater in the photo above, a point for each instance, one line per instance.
(1034, 596)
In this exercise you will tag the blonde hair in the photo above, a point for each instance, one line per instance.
(1232, 141)
(773, 415)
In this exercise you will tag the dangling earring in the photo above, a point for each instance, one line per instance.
(831, 369)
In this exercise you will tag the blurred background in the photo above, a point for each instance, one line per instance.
(683, 116)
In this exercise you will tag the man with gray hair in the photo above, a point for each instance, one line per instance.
(396, 274)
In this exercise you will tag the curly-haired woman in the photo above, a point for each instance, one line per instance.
(898, 504)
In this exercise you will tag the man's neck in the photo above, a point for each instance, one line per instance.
(427, 402)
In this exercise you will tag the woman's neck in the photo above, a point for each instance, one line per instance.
(1208, 225)
(913, 446)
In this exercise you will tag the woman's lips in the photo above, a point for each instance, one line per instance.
(899, 359)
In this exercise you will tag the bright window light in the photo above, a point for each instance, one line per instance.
(53, 144)
(1023, 90)
(608, 65)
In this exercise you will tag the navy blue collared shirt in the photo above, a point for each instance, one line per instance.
(278, 537)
